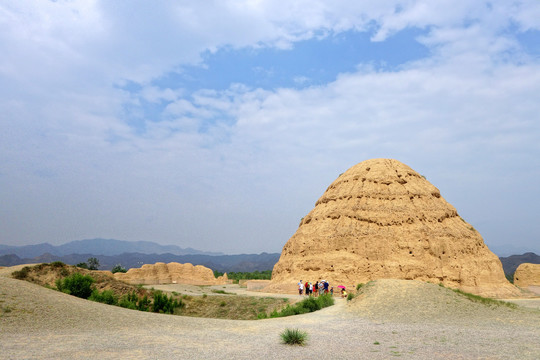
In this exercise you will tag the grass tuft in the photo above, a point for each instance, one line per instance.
(294, 337)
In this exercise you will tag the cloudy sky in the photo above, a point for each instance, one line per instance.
(218, 124)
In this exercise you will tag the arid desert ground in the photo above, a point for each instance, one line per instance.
(395, 318)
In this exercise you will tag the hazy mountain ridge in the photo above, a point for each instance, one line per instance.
(511, 263)
(106, 247)
(223, 263)
(130, 254)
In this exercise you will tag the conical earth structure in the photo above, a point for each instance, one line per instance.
(381, 219)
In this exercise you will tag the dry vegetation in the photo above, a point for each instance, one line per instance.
(224, 306)
(230, 307)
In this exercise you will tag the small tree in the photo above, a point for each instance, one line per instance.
(93, 263)
(118, 268)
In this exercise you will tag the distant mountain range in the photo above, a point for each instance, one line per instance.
(132, 254)
(222, 263)
(107, 247)
(511, 263)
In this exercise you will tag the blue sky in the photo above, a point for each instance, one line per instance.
(218, 125)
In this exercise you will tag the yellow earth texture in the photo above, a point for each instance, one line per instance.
(527, 275)
(383, 220)
(161, 273)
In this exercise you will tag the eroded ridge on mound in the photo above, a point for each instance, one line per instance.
(161, 273)
(381, 219)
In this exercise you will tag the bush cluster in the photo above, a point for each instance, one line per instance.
(21, 274)
(135, 302)
(81, 286)
(57, 264)
(165, 304)
(76, 284)
(118, 268)
(307, 305)
(106, 297)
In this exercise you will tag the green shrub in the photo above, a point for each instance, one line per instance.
(77, 285)
(106, 297)
(262, 315)
(82, 265)
(359, 286)
(310, 304)
(326, 300)
(294, 337)
(134, 302)
(165, 304)
(143, 304)
(21, 274)
(290, 311)
(125, 303)
(350, 296)
(56, 264)
(305, 306)
(118, 268)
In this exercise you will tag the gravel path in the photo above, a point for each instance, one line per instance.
(38, 323)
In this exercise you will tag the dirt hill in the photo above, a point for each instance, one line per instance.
(381, 219)
(414, 301)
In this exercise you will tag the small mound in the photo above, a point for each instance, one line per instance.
(416, 301)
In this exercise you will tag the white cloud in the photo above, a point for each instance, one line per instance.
(226, 163)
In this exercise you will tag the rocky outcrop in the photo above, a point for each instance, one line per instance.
(171, 273)
(381, 219)
(527, 275)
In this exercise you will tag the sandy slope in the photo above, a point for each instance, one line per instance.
(45, 324)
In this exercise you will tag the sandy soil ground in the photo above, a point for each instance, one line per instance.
(39, 323)
(230, 288)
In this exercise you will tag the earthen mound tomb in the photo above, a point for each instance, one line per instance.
(381, 219)
(171, 273)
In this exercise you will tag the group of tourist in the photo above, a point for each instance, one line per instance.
(320, 287)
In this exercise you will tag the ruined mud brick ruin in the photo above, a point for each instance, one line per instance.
(171, 273)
